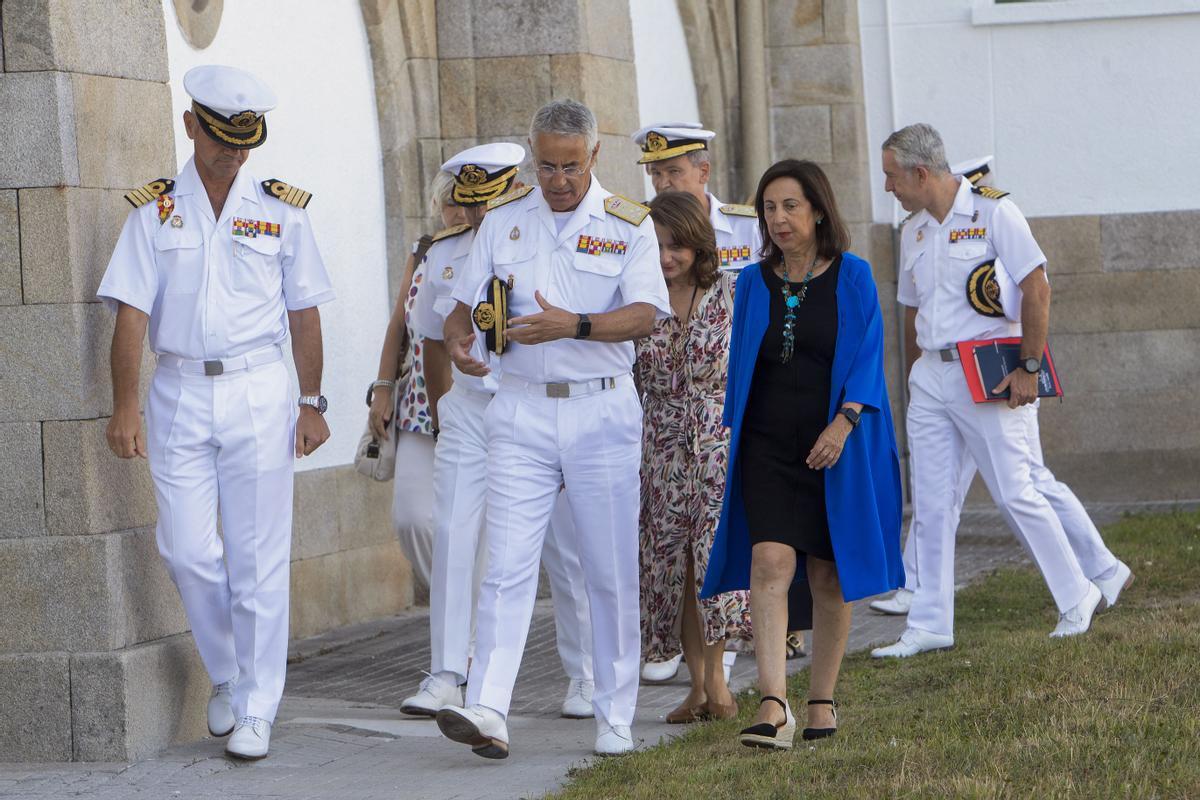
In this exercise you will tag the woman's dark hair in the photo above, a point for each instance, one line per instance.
(684, 217)
(832, 237)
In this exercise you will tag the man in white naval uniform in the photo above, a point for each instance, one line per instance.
(481, 174)
(1095, 559)
(677, 159)
(581, 266)
(971, 269)
(220, 268)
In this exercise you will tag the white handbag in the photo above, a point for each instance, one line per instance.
(374, 458)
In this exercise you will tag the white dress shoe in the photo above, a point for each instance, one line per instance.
(220, 709)
(612, 740)
(578, 702)
(661, 671)
(897, 605)
(435, 692)
(727, 659)
(1112, 586)
(250, 740)
(1079, 618)
(481, 727)
(914, 641)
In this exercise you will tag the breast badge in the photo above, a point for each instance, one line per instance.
(176, 221)
(595, 245)
(515, 233)
(448, 273)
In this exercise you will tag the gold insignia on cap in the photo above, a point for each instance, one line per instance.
(622, 207)
(485, 316)
(655, 142)
(292, 195)
(472, 175)
(246, 119)
(983, 290)
(151, 191)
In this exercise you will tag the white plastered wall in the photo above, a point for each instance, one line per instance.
(1088, 105)
(323, 137)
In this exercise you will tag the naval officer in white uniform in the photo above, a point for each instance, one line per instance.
(221, 267)
(971, 269)
(581, 267)
(481, 174)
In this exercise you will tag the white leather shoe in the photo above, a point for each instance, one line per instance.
(612, 740)
(479, 726)
(1079, 618)
(578, 702)
(914, 641)
(727, 659)
(220, 709)
(250, 740)
(1111, 587)
(897, 605)
(435, 692)
(660, 671)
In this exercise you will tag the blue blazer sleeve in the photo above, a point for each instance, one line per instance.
(865, 382)
(739, 313)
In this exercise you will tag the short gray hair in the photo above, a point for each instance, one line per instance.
(441, 190)
(566, 117)
(699, 157)
(918, 145)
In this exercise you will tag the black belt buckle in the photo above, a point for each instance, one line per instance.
(212, 368)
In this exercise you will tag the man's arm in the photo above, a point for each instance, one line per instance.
(305, 324)
(911, 350)
(624, 324)
(1035, 327)
(458, 340)
(124, 431)
(437, 375)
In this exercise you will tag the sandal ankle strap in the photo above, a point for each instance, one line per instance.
(767, 697)
(822, 703)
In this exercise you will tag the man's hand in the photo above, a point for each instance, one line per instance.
(460, 354)
(1022, 387)
(829, 445)
(311, 431)
(382, 407)
(124, 433)
(546, 326)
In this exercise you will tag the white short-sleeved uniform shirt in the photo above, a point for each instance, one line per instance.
(443, 266)
(940, 263)
(738, 235)
(598, 262)
(216, 288)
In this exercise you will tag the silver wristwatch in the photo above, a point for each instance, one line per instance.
(317, 401)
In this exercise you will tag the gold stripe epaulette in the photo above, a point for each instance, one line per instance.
(739, 210)
(515, 194)
(151, 191)
(989, 192)
(622, 207)
(453, 230)
(292, 195)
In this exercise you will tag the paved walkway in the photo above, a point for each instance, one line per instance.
(339, 734)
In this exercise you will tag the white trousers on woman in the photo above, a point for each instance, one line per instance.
(461, 470)
(944, 427)
(412, 502)
(227, 444)
(536, 444)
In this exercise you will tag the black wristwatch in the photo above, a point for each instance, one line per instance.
(1032, 365)
(850, 414)
(584, 329)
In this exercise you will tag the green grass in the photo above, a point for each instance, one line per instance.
(1008, 714)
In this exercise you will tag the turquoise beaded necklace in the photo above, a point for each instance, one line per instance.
(792, 301)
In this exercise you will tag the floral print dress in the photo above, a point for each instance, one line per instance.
(412, 400)
(681, 370)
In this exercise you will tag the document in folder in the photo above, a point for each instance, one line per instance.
(986, 362)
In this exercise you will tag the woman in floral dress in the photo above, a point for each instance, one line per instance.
(681, 370)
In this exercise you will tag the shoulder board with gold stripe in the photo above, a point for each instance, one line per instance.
(622, 207)
(989, 192)
(738, 210)
(292, 195)
(151, 191)
(515, 194)
(452, 231)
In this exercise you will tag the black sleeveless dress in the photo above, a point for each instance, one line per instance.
(787, 410)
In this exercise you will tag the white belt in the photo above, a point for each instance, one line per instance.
(566, 389)
(219, 366)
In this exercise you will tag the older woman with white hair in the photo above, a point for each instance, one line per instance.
(401, 405)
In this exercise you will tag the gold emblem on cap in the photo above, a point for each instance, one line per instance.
(485, 316)
(246, 119)
(472, 175)
(655, 142)
(515, 233)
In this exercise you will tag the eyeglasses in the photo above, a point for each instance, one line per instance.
(548, 171)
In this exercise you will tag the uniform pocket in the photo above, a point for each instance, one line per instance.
(179, 253)
(255, 266)
(606, 265)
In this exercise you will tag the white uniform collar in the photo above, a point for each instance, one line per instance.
(963, 204)
(719, 221)
(243, 188)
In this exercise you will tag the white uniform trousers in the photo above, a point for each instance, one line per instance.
(460, 549)
(412, 502)
(1095, 559)
(592, 443)
(227, 443)
(943, 423)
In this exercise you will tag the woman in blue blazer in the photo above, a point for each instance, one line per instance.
(814, 478)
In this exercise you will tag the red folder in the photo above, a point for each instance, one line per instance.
(985, 362)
